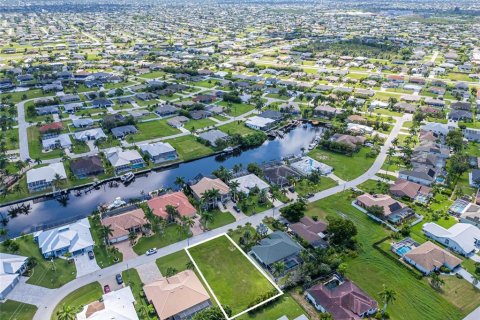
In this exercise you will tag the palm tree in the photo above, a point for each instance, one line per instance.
(388, 296)
(106, 232)
(57, 181)
(3, 233)
(263, 196)
(206, 217)
(132, 236)
(172, 212)
(180, 182)
(436, 281)
(66, 313)
(234, 187)
(278, 268)
(187, 224)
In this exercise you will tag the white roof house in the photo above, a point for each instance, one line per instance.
(438, 128)
(41, 178)
(118, 305)
(11, 266)
(62, 140)
(246, 183)
(307, 165)
(74, 238)
(463, 238)
(156, 149)
(91, 134)
(259, 123)
(124, 159)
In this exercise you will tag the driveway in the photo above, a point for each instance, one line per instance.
(28, 293)
(126, 249)
(85, 265)
(149, 272)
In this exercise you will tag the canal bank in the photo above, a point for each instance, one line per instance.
(53, 211)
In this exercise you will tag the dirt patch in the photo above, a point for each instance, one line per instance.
(311, 311)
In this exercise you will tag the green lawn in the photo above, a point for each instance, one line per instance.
(238, 232)
(189, 148)
(204, 83)
(45, 274)
(153, 75)
(305, 186)
(104, 256)
(237, 108)
(222, 265)
(374, 187)
(13, 310)
(80, 297)
(11, 138)
(193, 125)
(283, 306)
(79, 147)
(177, 260)
(35, 146)
(152, 130)
(220, 219)
(345, 167)
(250, 205)
(386, 95)
(236, 127)
(415, 299)
(172, 233)
(16, 97)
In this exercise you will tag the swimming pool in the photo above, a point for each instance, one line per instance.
(403, 250)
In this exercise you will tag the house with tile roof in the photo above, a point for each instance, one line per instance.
(342, 299)
(429, 257)
(178, 297)
(178, 200)
(123, 224)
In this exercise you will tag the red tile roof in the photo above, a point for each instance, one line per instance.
(176, 199)
(51, 127)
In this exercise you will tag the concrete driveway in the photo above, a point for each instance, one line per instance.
(85, 265)
(126, 249)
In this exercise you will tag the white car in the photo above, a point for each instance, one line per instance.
(151, 251)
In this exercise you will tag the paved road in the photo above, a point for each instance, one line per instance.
(22, 131)
(48, 301)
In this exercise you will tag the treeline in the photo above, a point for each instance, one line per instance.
(337, 147)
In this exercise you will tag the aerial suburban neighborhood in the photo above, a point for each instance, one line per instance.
(219, 160)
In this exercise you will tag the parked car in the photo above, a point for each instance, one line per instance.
(106, 288)
(119, 278)
(91, 255)
(151, 251)
(237, 209)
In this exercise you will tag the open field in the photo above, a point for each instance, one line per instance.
(152, 130)
(172, 233)
(342, 164)
(189, 148)
(233, 278)
(236, 127)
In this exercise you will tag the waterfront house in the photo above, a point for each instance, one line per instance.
(124, 160)
(159, 152)
(178, 200)
(123, 224)
(249, 182)
(259, 123)
(207, 184)
(74, 238)
(42, 178)
(87, 166)
(213, 137)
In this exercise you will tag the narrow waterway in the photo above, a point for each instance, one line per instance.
(52, 211)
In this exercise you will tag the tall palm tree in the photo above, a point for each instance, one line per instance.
(172, 212)
(278, 268)
(106, 231)
(388, 296)
(57, 181)
(206, 217)
(132, 236)
(66, 313)
(180, 182)
(234, 188)
(436, 281)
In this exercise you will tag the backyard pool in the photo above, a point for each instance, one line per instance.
(403, 250)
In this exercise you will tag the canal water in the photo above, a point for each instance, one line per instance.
(52, 211)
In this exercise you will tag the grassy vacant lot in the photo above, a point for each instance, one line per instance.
(23, 95)
(152, 130)
(346, 168)
(305, 186)
(13, 310)
(415, 299)
(172, 233)
(177, 260)
(80, 297)
(193, 125)
(189, 148)
(43, 274)
(220, 219)
(103, 255)
(35, 146)
(283, 306)
(236, 127)
(237, 108)
(11, 138)
(233, 278)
